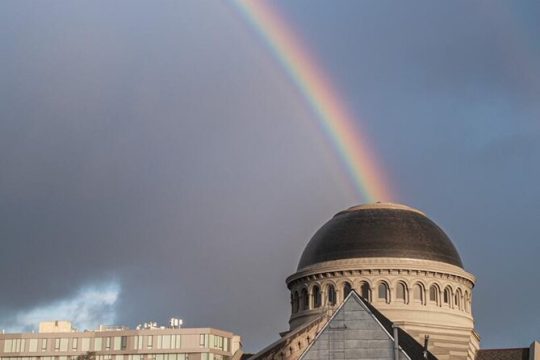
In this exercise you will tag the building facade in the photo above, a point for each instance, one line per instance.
(399, 260)
(403, 273)
(57, 340)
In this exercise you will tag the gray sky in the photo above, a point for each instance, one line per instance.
(156, 161)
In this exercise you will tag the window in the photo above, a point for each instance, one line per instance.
(123, 342)
(203, 340)
(316, 297)
(447, 296)
(418, 293)
(305, 299)
(64, 344)
(139, 342)
(97, 344)
(401, 292)
(117, 343)
(56, 344)
(7, 345)
(292, 303)
(382, 292)
(346, 290)
(331, 295)
(458, 299)
(43, 344)
(150, 341)
(85, 344)
(32, 345)
(295, 302)
(74, 343)
(365, 291)
(433, 293)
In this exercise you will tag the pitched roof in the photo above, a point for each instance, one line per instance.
(407, 343)
(503, 354)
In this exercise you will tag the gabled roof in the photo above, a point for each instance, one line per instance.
(409, 347)
(364, 333)
(406, 341)
(503, 354)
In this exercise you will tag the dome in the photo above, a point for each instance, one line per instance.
(380, 230)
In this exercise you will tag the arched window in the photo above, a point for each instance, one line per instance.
(365, 291)
(457, 299)
(331, 295)
(295, 302)
(447, 295)
(346, 290)
(316, 292)
(466, 301)
(305, 299)
(401, 292)
(418, 293)
(382, 292)
(433, 294)
(292, 303)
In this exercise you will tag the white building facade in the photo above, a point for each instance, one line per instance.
(57, 340)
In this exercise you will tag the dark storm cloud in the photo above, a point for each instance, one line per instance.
(157, 146)
(124, 148)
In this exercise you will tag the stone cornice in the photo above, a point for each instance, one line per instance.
(382, 266)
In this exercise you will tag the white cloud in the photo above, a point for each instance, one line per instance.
(89, 307)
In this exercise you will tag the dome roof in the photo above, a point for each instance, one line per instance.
(380, 230)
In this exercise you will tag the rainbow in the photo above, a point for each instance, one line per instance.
(334, 118)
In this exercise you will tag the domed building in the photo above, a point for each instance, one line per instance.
(398, 260)
(382, 281)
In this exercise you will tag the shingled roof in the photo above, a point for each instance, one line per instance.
(503, 354)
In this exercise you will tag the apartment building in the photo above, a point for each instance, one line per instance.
(58, 340)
